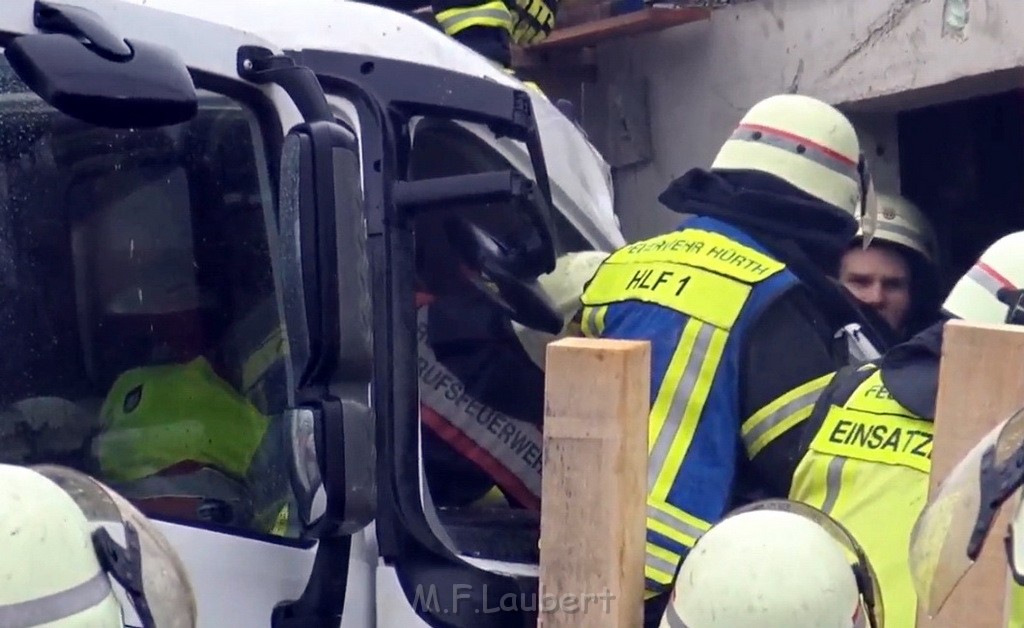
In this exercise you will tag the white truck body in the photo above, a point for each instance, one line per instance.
(240, 579)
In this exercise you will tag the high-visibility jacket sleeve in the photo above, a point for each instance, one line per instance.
(784, 368)
(482, 25)
(532, 20)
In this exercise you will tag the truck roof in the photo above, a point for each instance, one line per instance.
(580, 177)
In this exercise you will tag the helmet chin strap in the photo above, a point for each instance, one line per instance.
(124, 564)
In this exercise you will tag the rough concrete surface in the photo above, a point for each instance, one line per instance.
(868, 56)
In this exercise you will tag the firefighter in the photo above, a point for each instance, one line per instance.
(482, 389)
(868, 439)
(775, 564)
(58, 563)
(740, 313)
(491, 27)
(897, 275)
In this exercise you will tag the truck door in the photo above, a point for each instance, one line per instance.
(445, 214)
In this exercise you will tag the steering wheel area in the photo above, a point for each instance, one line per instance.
(500, 272)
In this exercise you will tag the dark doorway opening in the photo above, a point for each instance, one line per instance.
(963, 164)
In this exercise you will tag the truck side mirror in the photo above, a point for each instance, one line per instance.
(328, 317)
(83, 69)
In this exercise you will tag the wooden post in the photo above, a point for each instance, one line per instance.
(593, 523)
(981, 382)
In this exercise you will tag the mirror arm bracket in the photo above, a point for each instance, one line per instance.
(261, 66)
(441, 192)
(53, 17)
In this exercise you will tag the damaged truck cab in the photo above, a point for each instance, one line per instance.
(212, 216)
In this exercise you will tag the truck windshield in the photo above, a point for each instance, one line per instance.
(139, 318)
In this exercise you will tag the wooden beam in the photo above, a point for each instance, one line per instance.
(593, 523)
(980, 385)
(634, 23)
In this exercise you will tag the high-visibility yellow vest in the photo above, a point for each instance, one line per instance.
(701, 279)
(155, 417)
(867, 466)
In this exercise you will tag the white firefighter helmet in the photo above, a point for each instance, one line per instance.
(50, 571)
(990, 292)
(775, 564)
(809, 144)
(953, 528)
(901, 222)
(563, 286)
(77, 535)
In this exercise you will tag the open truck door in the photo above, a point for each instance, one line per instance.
(445, 209)
(493, 226)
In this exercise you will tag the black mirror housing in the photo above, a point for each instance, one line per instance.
(152, 87)
(328, 305)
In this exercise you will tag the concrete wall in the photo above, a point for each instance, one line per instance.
(869, 56)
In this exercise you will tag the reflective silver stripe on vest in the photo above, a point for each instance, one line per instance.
(659, 563)
(516, 444)
(593, 317)
(57, 606)
(455, 20)
(833, 483)
(803, 402)
(680, 400)
(675, 523)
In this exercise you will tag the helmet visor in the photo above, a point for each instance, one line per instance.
(951, 531)
(867, 582)
(143, 563)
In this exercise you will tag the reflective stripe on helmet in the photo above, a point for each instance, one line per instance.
(989, 279)
(821, 155)
(56, 606)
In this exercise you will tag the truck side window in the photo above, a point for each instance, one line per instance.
(481, 393)
(139, 312)
(442, 148)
